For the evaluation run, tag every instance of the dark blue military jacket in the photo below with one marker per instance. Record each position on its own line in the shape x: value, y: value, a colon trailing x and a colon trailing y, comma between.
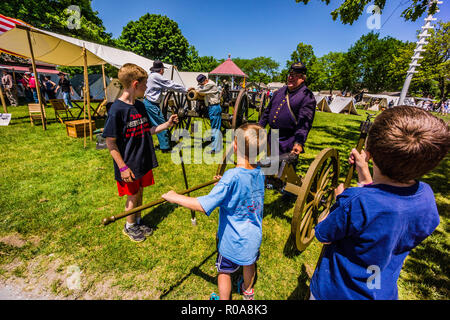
x: 278, y: 116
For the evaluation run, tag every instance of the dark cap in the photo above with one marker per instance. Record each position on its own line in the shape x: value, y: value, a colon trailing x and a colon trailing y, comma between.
x: 157, y: 66
x: 61, y: 74
x: 201, y: 78
x: 298, y: 67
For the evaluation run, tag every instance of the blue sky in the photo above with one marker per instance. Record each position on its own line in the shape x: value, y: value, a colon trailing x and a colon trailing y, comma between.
x: 251, y: 28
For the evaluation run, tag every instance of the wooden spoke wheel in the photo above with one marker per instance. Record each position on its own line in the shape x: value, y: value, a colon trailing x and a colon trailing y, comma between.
x: 262, y: 105
x: 315, y: 196
x: 240, y: 111
x: 176, y: 103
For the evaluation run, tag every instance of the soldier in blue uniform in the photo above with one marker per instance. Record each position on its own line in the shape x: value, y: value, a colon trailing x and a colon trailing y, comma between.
x: 291, y: 110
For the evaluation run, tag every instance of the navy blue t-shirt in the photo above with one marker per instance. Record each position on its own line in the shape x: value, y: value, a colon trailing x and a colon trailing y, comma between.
x: 130, y: 126
x: 371, y: 230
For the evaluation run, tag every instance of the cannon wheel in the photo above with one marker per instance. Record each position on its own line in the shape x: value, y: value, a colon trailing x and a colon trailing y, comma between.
x: 240, y: 111
x: 174, y: 102
x: 315, y: 197
x: 262, y: 105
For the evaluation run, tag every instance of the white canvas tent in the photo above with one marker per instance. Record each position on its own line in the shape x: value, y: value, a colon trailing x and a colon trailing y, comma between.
x: 63, y: 50
x: 384, y: 100
x: 322, y: 102
x: 343, y: 105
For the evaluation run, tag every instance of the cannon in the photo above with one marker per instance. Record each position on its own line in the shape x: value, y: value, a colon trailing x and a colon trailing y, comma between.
x: 238, y: 107
x: 314, y: 191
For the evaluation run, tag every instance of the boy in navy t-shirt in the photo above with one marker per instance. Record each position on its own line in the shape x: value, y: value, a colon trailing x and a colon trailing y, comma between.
x: 240, y: 196
x: 371, y: 229
x: 129, y: 139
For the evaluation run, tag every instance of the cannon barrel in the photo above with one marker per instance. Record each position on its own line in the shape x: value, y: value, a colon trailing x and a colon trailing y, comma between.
x: 193, y: 95
x: 123, y: 214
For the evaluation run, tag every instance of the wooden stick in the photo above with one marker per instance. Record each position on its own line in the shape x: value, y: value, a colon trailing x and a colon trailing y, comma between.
x: 36, y: 78
x: 104, y: 82
x: 124, y: 214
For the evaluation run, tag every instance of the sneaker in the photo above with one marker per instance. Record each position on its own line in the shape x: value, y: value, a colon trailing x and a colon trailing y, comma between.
x: 134, y: 233
x: 214, y: 296
x: 247, y: 295
x: 147, y: 231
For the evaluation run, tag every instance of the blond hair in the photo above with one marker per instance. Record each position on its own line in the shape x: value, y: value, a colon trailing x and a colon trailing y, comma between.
x: 251, y: 141
x: 131, y: 72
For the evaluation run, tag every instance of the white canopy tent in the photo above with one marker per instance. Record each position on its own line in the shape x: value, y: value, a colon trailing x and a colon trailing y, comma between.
x: 66, y: 51
x: 343, y: 105
x: 63, y: 50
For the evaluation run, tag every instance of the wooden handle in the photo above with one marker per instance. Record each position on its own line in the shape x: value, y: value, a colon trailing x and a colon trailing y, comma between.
x: 123, y: 214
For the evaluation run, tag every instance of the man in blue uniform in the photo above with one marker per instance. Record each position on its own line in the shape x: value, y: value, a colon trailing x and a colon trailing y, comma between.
x: 291, y: 110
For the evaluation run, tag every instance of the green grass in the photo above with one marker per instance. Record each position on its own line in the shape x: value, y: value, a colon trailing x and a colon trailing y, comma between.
x: 54, y: 194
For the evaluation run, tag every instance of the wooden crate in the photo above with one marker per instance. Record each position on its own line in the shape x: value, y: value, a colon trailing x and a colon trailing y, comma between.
x: 76, y: 128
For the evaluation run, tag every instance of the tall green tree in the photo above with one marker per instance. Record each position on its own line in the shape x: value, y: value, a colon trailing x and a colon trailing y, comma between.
x: 305, y: 54
x: 196, y: 63
x: 332, y: 72
x: 156, y: 37
x: 57, y: 16
x: 435, y: 65
x: 259, y: 69
x: 350, y: 10
x: 369, y: 59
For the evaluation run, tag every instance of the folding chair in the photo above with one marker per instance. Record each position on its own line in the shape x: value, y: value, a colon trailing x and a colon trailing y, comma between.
x: 34, y: 110
x: 59, y: 106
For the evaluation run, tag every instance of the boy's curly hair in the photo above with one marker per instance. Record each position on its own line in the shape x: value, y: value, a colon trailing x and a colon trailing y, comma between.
x: 407, y: 142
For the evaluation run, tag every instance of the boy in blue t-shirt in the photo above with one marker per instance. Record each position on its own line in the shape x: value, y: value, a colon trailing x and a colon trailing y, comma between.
x: 372, y: 228
x: 240, y: 196
x: 129, y: 139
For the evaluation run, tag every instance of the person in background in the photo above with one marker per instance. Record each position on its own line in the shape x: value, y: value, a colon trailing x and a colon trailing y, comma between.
x: 49, y: 88
x: 212, y: 102
x: 156, y: 85
x: 66, y: 89
x: 32, y: 85
x: 8, y: 86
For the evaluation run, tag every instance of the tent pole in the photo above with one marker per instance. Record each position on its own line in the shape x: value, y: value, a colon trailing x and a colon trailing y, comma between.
x: 36, y: 77
x: 84, y: 115
x: 104, y: 81
x: 3, y: 100
x: 87, y: 92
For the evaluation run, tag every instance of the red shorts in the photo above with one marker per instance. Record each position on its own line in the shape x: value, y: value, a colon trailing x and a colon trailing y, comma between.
x: 131, y: 188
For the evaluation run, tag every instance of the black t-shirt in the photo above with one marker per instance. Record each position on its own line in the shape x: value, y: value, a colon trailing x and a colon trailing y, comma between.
x: 129, y: 124
x: 64, y: 84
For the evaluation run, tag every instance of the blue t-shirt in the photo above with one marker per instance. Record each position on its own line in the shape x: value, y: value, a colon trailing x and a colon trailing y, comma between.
x: 372, y: 230
x: 240, y: 196
x: 130, y: 126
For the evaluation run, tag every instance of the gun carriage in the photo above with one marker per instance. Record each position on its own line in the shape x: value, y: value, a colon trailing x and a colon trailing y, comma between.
x: 314, y: 191
x: 238, y: 107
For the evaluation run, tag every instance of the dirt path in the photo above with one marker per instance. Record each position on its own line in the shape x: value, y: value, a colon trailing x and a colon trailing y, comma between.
x: 11, y: 292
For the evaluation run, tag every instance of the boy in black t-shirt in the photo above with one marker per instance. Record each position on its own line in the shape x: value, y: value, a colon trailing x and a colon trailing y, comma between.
x: 129, y: 140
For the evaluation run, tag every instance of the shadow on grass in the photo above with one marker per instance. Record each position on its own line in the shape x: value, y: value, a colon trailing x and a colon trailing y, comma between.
x: 157, y: 214
x: 278, y: 207
x: 196, y: 271
x: 438, y: 178
x: 301, y: 292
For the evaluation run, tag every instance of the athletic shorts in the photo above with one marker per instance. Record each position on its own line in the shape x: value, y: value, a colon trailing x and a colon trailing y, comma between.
x: 224, y: 265
x: 131, y: 188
